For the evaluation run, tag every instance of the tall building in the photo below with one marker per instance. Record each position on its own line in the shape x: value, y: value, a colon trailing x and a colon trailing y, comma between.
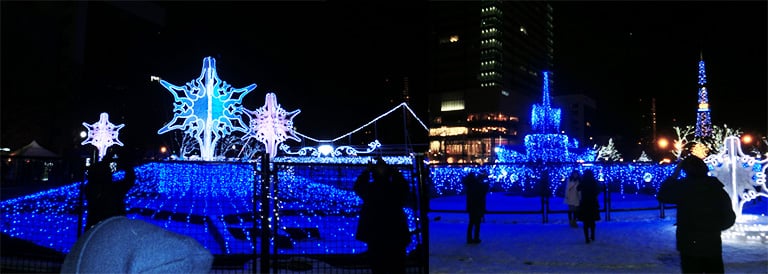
x: 487, y: 60
x: 578, y: 116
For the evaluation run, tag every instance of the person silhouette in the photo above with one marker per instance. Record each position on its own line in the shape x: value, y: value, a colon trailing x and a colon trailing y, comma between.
x: 589, y: 207
x: 383, y: 225
x: 476, y: 191
x: 703, y: 211
x: 572, y: 196
x: 104, y: 195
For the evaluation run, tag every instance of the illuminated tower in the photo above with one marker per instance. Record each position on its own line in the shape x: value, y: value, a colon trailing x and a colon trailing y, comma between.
x: 703, y: 122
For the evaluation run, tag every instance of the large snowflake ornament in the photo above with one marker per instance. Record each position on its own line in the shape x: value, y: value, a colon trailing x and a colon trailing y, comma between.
x: 206, y: 108
x: 745, y: 173
x: 102, y: 134
x: 271, y: 124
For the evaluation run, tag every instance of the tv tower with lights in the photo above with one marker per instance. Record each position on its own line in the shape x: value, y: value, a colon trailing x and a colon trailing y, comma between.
x: 703, y: 121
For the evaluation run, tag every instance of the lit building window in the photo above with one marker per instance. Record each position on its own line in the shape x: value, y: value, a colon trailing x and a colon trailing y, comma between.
x: 448, y: 131
x: 451, y: 105
x: 454, y: 38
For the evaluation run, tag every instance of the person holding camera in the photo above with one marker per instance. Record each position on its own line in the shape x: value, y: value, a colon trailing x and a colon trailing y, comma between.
x: 105, y: 196
x: 703, y: 210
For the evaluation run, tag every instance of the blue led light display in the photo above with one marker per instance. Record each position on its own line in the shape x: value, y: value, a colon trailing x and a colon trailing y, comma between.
x: 544, y: 118
x: 213, y: 203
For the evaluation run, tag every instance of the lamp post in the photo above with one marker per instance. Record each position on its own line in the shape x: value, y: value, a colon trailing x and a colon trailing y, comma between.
x: 662, y: 145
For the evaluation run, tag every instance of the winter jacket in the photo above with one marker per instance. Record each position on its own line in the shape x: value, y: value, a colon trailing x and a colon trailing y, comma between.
x: 703, y: 210
x: 382, y: 219
x: 476, y: 191
x: 572, y: 192
x: 122, y: 245
x: 589, y: 207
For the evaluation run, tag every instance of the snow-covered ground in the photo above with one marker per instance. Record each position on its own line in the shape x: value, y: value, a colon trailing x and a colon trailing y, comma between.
x: 631, y: 242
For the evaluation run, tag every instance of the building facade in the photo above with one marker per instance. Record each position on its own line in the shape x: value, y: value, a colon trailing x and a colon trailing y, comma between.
x: 487, y: 60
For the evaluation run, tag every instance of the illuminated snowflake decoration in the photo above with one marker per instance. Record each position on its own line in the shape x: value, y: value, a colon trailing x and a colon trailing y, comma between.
x: 102, y: 134
x: 206, y: 108
x: 271, y: 124
x: 745, y: 174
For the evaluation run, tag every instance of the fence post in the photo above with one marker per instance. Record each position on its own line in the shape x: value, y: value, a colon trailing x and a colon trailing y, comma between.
x: 81, y: 208
x: 544, y: 208
x: 423, y: 190
x: 266, y: 234
x: 607, y: 202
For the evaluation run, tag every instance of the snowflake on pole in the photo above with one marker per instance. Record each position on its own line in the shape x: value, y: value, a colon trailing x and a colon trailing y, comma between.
x: 271, y: 124
x: 102, y: 134
x: 206, y: 108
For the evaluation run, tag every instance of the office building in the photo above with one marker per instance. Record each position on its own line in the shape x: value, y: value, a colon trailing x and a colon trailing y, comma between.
x: 487, y: 60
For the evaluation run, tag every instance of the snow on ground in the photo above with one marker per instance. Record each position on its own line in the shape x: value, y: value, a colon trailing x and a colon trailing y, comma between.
x: 631, y: 242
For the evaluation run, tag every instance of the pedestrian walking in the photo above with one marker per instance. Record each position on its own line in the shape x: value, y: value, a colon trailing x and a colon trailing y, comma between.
x: 589, y: 207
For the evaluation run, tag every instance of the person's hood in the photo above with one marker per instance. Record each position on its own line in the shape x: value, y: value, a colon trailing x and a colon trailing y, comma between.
x: 122, y: 245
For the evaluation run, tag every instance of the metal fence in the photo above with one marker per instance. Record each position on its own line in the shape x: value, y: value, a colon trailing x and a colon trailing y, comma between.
x: 254, y: 217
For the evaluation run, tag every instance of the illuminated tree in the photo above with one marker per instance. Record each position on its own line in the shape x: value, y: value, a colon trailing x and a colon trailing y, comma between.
x: 608, y: 152
x: 713, y: 142
x: 643, y: 157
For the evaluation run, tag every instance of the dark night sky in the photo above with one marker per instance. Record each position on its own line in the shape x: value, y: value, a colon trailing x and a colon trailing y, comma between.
x: 619, y: 51
x: 331, y: 60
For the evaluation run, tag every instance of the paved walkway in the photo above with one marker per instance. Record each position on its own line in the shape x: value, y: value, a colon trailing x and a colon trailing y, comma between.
x: 632, y: 242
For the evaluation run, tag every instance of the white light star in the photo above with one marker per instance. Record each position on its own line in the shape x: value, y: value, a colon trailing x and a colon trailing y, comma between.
x: 271, y: 124
x: 102, y: 134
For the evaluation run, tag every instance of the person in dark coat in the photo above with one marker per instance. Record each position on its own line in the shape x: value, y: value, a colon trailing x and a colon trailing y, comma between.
x: 703, y: 210
x: 476, y: 190
x: 383, y: 225
x: 589, y: 208
x: 105, y: 196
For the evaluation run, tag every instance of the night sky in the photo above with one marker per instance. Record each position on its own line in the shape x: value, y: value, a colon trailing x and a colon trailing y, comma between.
x: 333, y: 62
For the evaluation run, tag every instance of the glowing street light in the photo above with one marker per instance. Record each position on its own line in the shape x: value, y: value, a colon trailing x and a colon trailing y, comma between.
x: 746, y: 139
x: 663, y: 143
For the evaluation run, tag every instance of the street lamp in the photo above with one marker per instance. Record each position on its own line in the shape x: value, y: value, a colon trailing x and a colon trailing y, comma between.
x: 663, y: 143
x: 746, y: 139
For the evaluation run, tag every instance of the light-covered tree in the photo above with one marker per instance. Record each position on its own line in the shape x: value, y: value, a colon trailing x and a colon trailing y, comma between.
x: 712, y: 143
x: 608, y: 153
x: 643, y: 157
